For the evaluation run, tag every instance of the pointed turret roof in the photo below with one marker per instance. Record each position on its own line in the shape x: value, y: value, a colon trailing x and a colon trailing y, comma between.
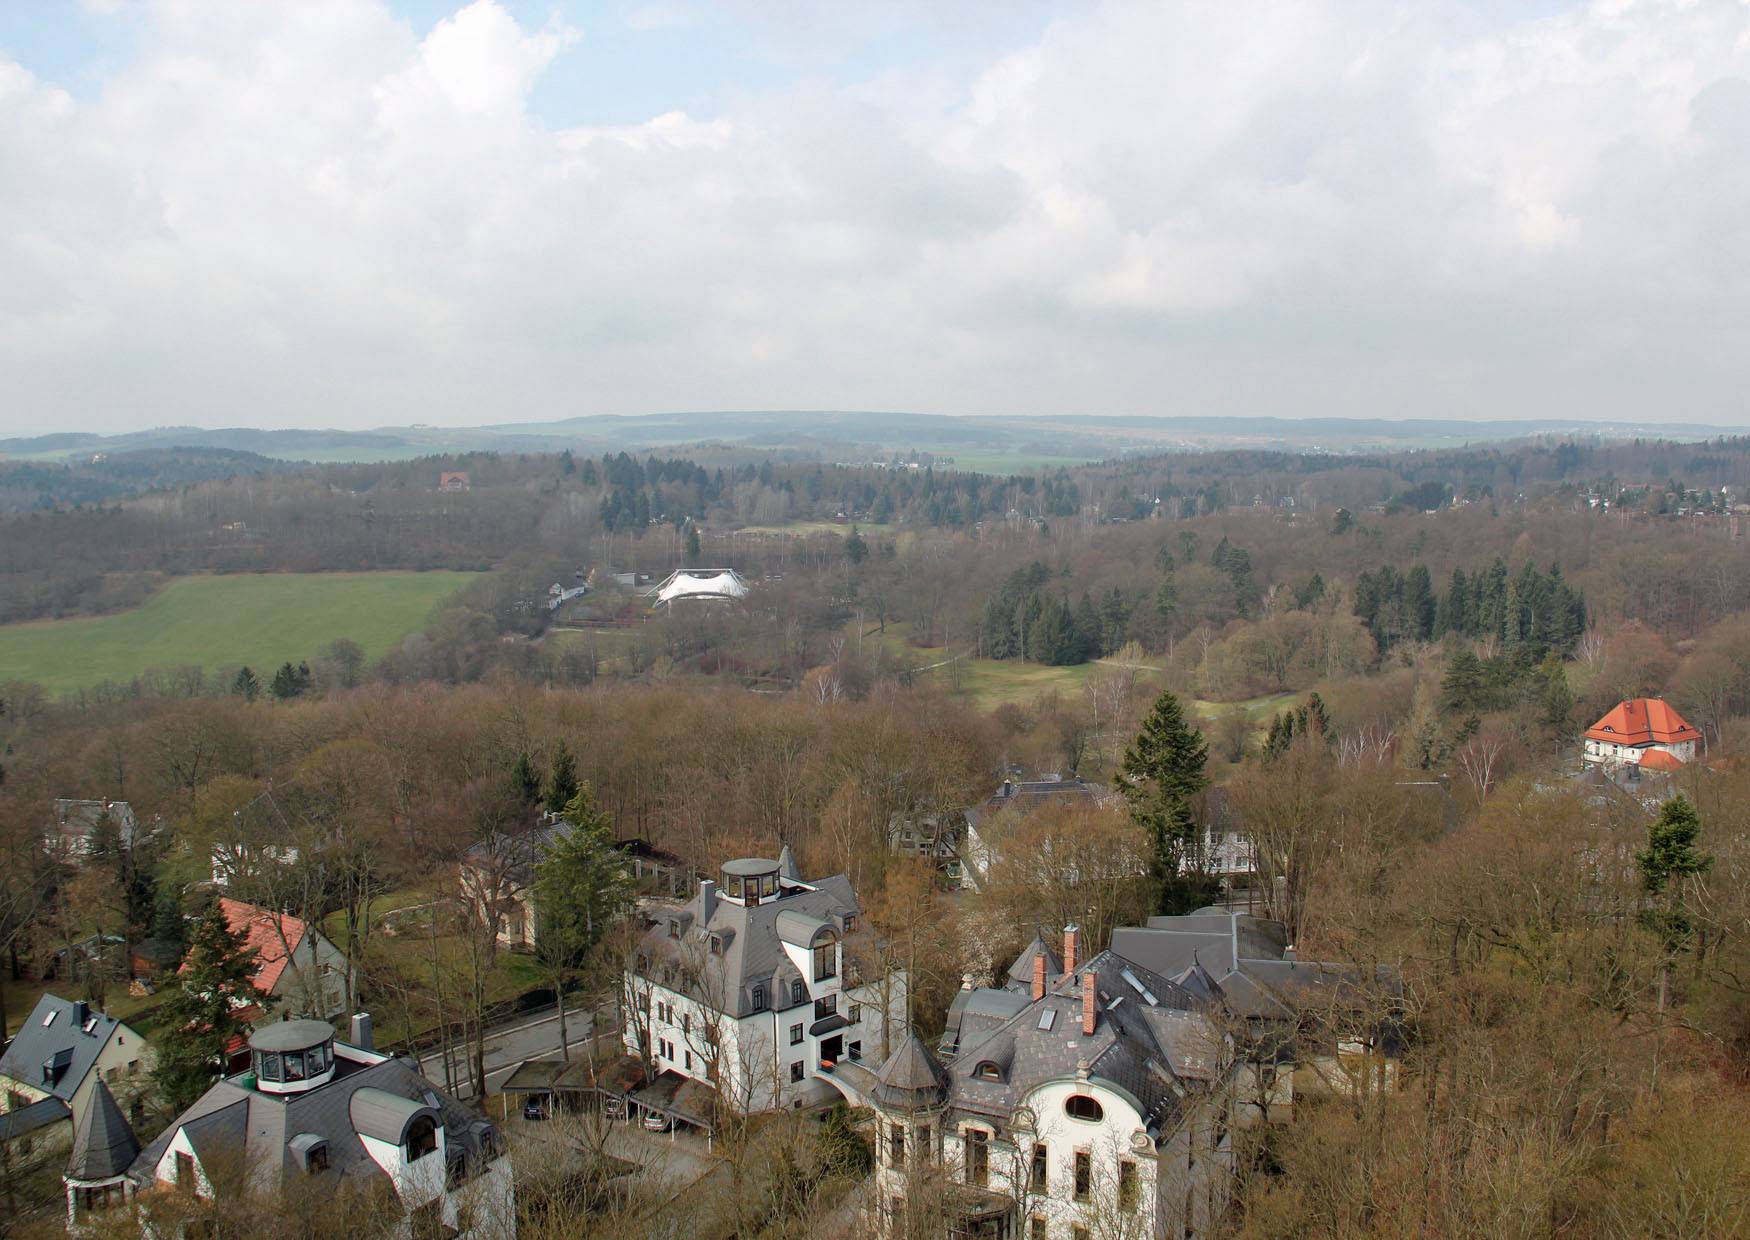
x: 1021, y: 972
x: 104, y: 1143
x: 911, y: 1077
x: 787, y: 867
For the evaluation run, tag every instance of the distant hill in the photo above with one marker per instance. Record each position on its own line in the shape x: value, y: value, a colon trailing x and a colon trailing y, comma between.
x: 87, y: 476
x: 997, y: 444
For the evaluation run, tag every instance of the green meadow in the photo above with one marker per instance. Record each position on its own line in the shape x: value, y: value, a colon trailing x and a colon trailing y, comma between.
x: 262, y: 619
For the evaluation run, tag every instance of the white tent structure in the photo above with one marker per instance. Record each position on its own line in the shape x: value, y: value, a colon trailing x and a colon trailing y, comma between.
x: 701, y: 584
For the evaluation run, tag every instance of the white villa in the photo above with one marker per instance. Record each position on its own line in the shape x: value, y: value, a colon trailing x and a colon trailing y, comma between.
x: 747, y: 989
x: 1645, y: 733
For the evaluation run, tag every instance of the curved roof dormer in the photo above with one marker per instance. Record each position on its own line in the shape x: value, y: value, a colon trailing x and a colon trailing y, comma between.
x: 801, y: 930
x: 386, y: 1116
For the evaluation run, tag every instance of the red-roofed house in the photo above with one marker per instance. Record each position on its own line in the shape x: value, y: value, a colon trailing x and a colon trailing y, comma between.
x: 298, y: 972
x: 1643, y: 732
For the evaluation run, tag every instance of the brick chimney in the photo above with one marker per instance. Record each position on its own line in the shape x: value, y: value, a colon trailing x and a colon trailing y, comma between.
x: 1090, y: 1007
x: 1039, y: 975
x: 1070, y: 960
x: 707, y: 900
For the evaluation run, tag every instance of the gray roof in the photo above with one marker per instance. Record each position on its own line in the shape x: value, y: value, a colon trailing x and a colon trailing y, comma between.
x: 386, y: 1116
x: 291, y: 1035
x: 1022, y: 797
x: 1244, y: 963
x: 1148, y: 1040
x: 27, y: 1119
x: 752, y: 943
x: 233, y: 1121
x: 62, y: 1042
x: 911, y: 1077
x: 1021, y: 972
x: 104, y: 1144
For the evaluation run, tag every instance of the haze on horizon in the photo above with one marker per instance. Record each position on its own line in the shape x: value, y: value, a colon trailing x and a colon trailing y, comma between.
x: 359, y: 213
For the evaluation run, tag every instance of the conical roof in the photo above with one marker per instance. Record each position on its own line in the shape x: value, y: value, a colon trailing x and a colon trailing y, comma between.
x: 104, y: 1145
x: 1021, y: 972
x: 787, y: 864
x: 911, y: 1077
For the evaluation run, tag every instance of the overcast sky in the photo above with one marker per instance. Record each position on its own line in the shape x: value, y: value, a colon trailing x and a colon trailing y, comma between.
x: 359, y: 213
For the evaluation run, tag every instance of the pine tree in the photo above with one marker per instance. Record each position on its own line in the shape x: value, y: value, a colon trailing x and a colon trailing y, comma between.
x: 856, y: 550
x: 581, y: 886
x: 1342, y: 523
x: 525, y: 779
x: 561, y: 780
x: 199, y: 1019
x: 247, y: 686
x: 1669, y: 858
x: 1163, y: 770
x: 167, y: 922
x: 1462, y: 688
x: 694, y: 551
x: 285, y: 683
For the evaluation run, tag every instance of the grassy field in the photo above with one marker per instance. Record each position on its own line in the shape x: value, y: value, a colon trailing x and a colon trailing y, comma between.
x: 803, y: 528
x: 262, y: 619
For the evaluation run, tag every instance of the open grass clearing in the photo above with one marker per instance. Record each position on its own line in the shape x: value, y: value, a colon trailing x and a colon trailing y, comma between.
x: 258, y: 619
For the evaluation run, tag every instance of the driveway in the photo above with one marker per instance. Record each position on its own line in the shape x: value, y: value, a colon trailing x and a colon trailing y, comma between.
x: 532, y: 1036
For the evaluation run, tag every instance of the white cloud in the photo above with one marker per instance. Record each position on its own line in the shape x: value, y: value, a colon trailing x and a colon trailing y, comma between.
x: 314, y: 214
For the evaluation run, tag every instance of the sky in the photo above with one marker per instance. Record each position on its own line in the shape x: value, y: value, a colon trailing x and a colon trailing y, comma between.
x: 358, y: 213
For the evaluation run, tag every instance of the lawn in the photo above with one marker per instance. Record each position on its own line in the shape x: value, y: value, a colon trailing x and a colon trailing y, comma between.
x: 261, y: 619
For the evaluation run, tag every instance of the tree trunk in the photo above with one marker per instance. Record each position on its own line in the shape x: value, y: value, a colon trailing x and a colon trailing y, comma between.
x: 564, y: 1040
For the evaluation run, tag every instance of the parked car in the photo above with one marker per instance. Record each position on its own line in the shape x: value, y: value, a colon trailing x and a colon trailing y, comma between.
x: 655, y: 1121
x: 534, y: 1108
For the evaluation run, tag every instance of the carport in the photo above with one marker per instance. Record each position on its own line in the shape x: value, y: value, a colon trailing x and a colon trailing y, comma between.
x: 682, y: 1100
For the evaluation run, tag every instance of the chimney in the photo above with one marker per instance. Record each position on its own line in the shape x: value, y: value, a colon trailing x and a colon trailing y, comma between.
x: 1070, y: 960
x: 707, y: 900
x: 362, y: 1037
x: 1039, y: 974
x: 81, y: 1013
x: 966, y: 981
x: 1090, y: 1008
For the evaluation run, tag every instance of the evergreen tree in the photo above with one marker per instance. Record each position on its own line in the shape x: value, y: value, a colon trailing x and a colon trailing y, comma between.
x: 1462, y: 688
x: 525, y: 779
x: 199, y: 1019
x: 1343, y: 522
x: 247, y: 686
x: 581, y: 886
x: 856, y: 550
x: 1669, y: 859
x: 562, y: 783
x: 1163, y: 770
x: 1419, y: 605
x: 167, y: 922
x: 694, y: 551
x: 285, y: 683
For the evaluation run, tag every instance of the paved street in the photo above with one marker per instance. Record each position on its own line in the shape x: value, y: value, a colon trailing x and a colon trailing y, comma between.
x: 533, y: 1035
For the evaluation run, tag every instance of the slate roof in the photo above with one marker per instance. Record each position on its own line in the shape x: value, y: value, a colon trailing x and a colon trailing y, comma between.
x: 1021, y: 972
x: 911, y: 1077
x: 1148, y: 1040
x: 521, y: 851
x: 104, y: 1145
x: 232, y: 1120
x: 1023, y: 797
x: 1245, y: 960
x: 28, y: 1119
x: 753, y: 952
x: 63, y: 1042
x: 1642, y: 721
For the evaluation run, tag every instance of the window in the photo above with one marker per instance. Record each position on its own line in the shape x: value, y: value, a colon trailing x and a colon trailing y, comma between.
x: 798, y: 992
x: 855, y: 1014
x: 1077, y: 1232
x: 1036, y: 1228
x: 854, y: 1051
x: 826, y: 960
x: 796, y: 1073
x: 421, y: 1138
x: 1126, y: 1185
x: 716, y: 945
x: 795, y: 1035
x: 1084, y: 1174
x: 686, y: 1022
x: 1082, y: 1107
x: 896, y: 1146
x: 317, y: 1158
x: 759, y: 998
x: 689, y: 1061
x: 921, y: 1147
x: 674, y: 929
x: 826, y: 1005
x: 988, y: 1071
x: 977, y: 1156
x: 185, y: 1179
x: 294, y: 1065
x: 1036, y: 1183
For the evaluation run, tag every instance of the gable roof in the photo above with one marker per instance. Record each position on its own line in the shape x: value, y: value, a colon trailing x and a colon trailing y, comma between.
x: 104, y: 1144
x: 1643, y: 721
x: 257, y: 926
x: 54, y: 1035
x: 1661, y: 760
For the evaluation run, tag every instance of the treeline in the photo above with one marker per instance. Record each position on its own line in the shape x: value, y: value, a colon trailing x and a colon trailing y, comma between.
x: 1026, y: 620
x: 1531, y: 613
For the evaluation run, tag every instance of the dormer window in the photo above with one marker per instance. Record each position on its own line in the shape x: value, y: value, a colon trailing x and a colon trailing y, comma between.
x: 988, y: 1071
x: 311, y: 1152
x: 421, y: 1138
x: 826, y: 961
x: 1084, y: 1108
x: 798, y: 992
x: 759, y: 999
x: 716, y: 944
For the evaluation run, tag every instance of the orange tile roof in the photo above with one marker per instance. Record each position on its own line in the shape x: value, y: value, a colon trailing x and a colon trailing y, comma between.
x: 1661, y: 760
x: 256, y: 925
x: 1643, y: 721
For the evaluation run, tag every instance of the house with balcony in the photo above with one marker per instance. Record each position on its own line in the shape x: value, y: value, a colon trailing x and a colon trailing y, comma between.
x: 747, y: 990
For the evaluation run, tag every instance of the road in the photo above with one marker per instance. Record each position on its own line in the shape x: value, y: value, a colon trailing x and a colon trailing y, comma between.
x: 532, y: 1036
